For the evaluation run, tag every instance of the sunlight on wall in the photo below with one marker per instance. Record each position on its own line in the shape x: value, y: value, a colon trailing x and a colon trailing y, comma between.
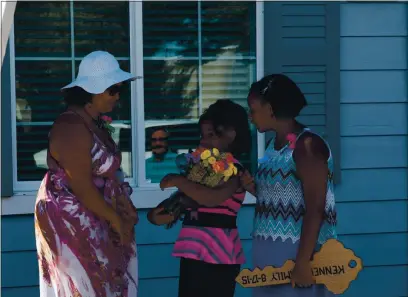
x: 7, y: 13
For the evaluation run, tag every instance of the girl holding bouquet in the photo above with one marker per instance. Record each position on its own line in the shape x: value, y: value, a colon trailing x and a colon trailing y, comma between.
x: 208, y: 244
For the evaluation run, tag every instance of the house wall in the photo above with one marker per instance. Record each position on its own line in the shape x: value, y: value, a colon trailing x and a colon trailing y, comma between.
x: 372, y: 196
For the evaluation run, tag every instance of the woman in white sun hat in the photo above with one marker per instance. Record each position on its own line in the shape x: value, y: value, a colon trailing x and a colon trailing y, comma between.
x: 84, y: 218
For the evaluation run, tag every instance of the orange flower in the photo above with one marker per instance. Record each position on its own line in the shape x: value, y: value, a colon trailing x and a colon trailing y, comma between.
x: 218, y: 166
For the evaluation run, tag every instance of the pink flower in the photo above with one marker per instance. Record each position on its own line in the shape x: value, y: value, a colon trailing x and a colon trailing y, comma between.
x: 292, y: 140
x: 106, y: 119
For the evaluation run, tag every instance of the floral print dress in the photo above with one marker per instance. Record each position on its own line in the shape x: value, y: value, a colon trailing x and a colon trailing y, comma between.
x: 79, y: 255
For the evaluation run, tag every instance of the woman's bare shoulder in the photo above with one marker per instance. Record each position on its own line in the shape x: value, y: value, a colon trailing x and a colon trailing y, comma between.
x: 69, y: 128
x: 310, y: 145
x: 65, y: 119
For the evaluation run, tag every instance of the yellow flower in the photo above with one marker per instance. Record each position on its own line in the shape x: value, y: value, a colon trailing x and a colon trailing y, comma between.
x: 229, y: 172
x: 216, y: 152
x: 211, y: 160
x: 205, y: 163
x: 232, y: 167
x: 205, y: 155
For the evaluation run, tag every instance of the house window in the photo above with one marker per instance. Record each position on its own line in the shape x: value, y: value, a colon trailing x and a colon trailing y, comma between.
x: 189, y: 53
x: 194, y: 53
x: 50, y: 39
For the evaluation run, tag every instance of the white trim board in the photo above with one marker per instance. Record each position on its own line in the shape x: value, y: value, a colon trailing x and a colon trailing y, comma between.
x: 7, y: 17
x: 144, y: 195
x: 137, y: 95
x: 24, y: 203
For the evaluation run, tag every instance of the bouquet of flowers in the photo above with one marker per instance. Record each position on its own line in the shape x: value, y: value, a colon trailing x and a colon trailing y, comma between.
x: 208, y: 167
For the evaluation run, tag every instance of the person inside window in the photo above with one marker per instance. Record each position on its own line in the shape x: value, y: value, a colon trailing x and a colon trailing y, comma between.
x: 163, y: 160
x: 84, y: 218
x: 295, y: 208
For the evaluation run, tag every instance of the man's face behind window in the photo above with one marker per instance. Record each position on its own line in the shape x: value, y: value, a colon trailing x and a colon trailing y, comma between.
x: 159, y: 141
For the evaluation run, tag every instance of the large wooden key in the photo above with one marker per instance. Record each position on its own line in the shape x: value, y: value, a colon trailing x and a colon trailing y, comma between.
x: 333, y: 266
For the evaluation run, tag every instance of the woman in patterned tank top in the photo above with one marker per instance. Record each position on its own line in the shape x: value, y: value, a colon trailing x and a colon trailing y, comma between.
x: 295, y: 211
x: 208, y: 244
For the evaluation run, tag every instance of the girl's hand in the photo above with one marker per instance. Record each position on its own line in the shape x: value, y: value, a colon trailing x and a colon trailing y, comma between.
x: 160, y: 219
x: 247, y: 182
x: 302, y: 275
x: 169, y: 181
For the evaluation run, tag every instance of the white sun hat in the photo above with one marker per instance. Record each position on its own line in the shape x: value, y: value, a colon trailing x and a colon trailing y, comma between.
x: 98, y: 71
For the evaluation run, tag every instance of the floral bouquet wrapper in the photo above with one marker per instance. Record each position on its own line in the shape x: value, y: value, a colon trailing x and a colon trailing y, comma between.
x: 208, y: 167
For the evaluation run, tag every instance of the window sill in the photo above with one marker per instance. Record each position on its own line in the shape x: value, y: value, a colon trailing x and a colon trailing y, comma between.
x: 147, y: 197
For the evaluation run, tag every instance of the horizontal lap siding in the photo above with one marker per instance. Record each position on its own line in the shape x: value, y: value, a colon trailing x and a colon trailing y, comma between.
x: 374, y: 147
x: 393, y: 279
x: 155, y: 245
x: 372, y: 196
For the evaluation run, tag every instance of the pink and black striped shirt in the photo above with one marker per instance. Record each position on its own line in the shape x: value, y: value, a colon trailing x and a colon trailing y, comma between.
x: 216, y: 245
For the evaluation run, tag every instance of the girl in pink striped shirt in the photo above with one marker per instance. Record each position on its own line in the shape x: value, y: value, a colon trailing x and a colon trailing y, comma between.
x: 208, y: 245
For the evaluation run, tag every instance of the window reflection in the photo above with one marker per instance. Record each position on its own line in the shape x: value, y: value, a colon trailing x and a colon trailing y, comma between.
x: 49, y: 39
x: 164, y: 141
x: 194, y: 54
x: 162, y: 159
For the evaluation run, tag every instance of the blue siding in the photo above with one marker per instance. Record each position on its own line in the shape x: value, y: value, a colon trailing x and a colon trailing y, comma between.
x: 374, y: 144
x: 372, y: 196
x: 155, y: 244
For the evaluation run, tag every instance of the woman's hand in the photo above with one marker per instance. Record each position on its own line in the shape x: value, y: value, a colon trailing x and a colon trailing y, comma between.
x: 119, y: 227
x: 169, y: 181
x: 127, y: 188
x: 130, y: 216
x: 247, y: 182
x: 127, y: 210
x: 302, y: 275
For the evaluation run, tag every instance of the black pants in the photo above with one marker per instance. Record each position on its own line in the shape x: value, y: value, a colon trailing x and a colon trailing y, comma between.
x: 201, y: 279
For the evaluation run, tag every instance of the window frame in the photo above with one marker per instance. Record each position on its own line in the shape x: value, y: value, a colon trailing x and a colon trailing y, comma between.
x: 145, y: 195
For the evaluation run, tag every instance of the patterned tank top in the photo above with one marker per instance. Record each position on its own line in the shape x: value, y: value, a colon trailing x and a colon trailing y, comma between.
x: 212, y: 244
x: 280, y: 204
